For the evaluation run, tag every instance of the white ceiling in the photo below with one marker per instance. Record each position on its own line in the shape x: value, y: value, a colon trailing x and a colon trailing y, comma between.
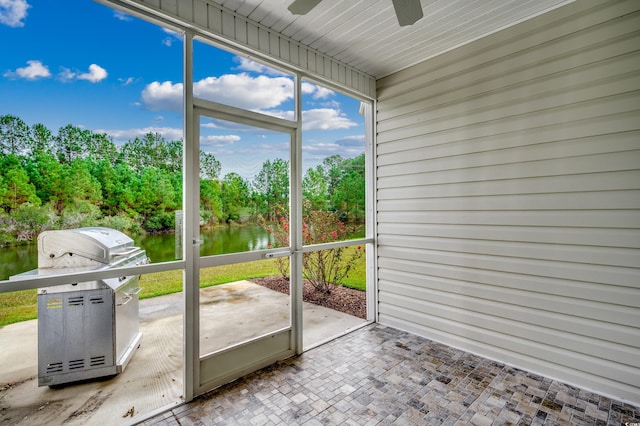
x: 365, y: 33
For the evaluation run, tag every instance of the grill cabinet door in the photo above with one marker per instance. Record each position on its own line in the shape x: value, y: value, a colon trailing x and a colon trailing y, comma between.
x: 75, y: 333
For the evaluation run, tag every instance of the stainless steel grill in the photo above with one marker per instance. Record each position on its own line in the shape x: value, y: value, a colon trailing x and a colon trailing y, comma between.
x: 89, y: 329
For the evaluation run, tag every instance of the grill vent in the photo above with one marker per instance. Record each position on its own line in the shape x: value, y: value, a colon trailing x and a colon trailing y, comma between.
x: 96, y: 300
x: 97, y: 360
x: 54, y: 367
x: 76, y: 364
x: 76, y: 301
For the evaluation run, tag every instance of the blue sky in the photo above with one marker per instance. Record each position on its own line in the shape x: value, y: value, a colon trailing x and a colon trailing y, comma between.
x: 79, y: 62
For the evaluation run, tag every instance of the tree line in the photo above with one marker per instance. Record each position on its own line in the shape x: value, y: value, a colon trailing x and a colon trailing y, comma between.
x: 80, y: 178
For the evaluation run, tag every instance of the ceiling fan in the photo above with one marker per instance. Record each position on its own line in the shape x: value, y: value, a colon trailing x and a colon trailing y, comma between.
x: 407, y: 11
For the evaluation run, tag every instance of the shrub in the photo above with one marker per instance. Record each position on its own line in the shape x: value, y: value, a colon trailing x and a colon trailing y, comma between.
x: 6, y: 239
x: 322, y: 268
x: 80, y: 213
x: 160, y: 221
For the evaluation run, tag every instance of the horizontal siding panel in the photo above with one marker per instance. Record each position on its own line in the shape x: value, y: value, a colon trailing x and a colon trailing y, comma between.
x: 593, y: 255
x: 612, y: 181
x: 508, y: 320
x: 627, y: 277
x: 595, y: 127
x: 532, y: 97
x: 541, y: 163
x: 478, y: 297
x: 589, y: 63
x: 501, y: 280
x: 627, y: 238
x: 559, y: 115
x: 502, y: 149
x: 566, y: 305
x: 436, y: 175
x: 577, y: 201
x: 523, y: 82
x: 617, y: 219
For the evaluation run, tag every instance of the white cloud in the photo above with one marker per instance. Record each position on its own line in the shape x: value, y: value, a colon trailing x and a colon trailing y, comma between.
x: 123, y: 135
x: 286, y: 115
x: 13, y: 12
x: 219, y: 140
x: 245, y: 91
x: 211, y: 125
x: 35, y: 69
x: 96, y: 73
x: 307, y: 88
x: 239, y: 90
x: 32, y: 71
x: 231, y: 127
x: 322, y: 92
x: 317, y: 92
x: 325, y: 119
x: 126, y: 81
x: 164, y: 96
x: 318, y: 118
x: 260, y: 93
x: 66, y: 74
x: 246, y: 64
x: 317, y: 150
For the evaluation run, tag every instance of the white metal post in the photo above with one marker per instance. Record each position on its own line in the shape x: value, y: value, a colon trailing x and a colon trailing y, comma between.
x: 191, y: 243
x: 295, y: 217
x: 370, y: 209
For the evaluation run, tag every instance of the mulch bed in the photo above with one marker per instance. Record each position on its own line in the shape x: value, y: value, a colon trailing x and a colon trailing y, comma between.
x: 342, y: 299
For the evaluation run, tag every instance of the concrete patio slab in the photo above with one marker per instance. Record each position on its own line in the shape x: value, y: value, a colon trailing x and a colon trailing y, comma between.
x: 230, y: 313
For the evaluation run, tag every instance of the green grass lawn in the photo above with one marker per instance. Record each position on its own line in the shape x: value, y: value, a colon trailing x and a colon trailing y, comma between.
x: 22, y: 305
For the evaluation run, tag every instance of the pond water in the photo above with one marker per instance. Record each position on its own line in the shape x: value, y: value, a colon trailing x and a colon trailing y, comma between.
x: 159, y: 248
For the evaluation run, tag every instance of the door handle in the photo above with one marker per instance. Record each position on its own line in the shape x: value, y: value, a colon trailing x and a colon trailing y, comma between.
x: 275, y: 254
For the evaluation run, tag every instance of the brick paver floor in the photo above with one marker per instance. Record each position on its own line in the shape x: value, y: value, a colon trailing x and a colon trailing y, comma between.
x: 380, y: 375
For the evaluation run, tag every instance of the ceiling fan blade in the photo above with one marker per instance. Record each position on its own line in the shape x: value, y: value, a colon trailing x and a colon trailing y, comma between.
x: 302, y: 7
x: 407, y: 11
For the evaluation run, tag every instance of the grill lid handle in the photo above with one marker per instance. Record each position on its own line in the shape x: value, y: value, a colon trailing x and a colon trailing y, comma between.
x: 125, y: 252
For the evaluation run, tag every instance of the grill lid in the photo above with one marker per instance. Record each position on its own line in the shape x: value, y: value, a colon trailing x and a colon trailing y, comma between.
x: 81, y: 247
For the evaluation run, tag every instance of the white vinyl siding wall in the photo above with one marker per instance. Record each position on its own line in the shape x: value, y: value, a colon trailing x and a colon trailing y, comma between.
x: 509, y: 196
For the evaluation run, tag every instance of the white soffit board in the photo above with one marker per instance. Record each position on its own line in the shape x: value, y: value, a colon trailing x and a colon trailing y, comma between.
x: 365, y: 35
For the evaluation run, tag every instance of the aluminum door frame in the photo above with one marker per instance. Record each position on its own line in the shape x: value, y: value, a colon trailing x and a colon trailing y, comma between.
x: 203, y: 373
